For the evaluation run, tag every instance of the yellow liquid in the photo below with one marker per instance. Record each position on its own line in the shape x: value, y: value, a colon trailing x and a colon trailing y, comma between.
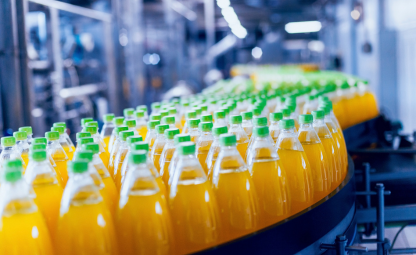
x: 111, y: 195
x: 156, y: 157
x: 202, y: 156
x: 164, y: 168
x: 318, y: 161
x: 195, y: 217
x: 242, y: 149
x: 48, y: 199
x: 23, y: 234
x: 371, y: 104
x: 142, y: 131
x: 144, y: 226
x: 105, y: 158
x: 117, y: 171
x: 86, y: 229
x: 271, y: 183
x: 299, y: 176
x: 334, y: 161
x: 237, y: 202
x: 25, y: 157
x: 69, y: 153
x: 106, y: 140
x: 341, y: 148
x: 340, y: 114
x: 61, y: 168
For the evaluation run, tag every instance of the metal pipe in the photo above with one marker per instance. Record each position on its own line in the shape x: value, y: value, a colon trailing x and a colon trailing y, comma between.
x: 403, y: 251
x: 340, y: 244
x: 380, y: 218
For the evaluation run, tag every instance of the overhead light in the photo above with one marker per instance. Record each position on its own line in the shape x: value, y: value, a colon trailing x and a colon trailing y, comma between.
x: 223, y: 3
x: 239, y: 31
x: 303, y: 27
x: 232, y: 19
x: 256, y: 52
x: 317, y: 46
x: 151, y: 59
x: 355, y: 14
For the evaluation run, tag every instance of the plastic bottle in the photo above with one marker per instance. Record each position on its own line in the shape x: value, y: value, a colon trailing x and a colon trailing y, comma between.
x: 128, y: 113
x: 85, y: 225
x: 23, y: 229
x: 158, y: 145
x: 274, y: 128
x: 151, y: 133
x: 29, y: 133
x: 174, y: 161
x: 309, y: 105
x: 42, y: 140
x: 318, y: 160
x: 259, y: 122
x: 42, y: 146
x: 247, y: 124
x: 219, y: 119
x: 144, y: 109
x: 79, y: 136
x: 141, y: 126
x: 269, y: 178
x: 84, y: 121
x: 170, y: 120
x: 43, y: 178
x: 130, y: 141
x: 58, y: 154
x: 155, y: 108
x: 22, y: 146
x: 238, y: 131
x: 64, y: 143
x: 120, y: 156
x: 191, y: 192
x: 131, y: 124
x: 189, y: 115
x: 113, y: 154
x: 183, y: 113
x: 234, y: 190
x: 206, y: 118
x: 148, y: 230
x: 204, y: 142
x: 66, y: 136
x: 193, y: 129
x: 167, y: 153
x: 93, y: 130
x: 156, y: 117
x: 118, y: 121
x: 215, y: 149
x: 107, y: 130
x: 330, y: 147
x: 296, y: 164
x: 178, y: 123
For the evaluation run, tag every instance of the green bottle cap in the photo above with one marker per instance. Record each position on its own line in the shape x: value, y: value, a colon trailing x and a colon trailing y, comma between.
x: 172, y: 111
x: 141, y: 108
x: 139, y: 146
x: 219, y: 115
x: 228, y: 140
x: 134, y: 139
x: 171, y: 132
x: 84, y: 155
x: 184, y: 103
x: 225, y: 110
x: 291, y: 107
x: 120, y: 129
x: 125, y: 134
x: 118, y: 121
x: 286, y: 124
x: 92, y: 124
x: 128, y: 112
x: 155, y: 117
x: 93, y: 147
x: 327, y: 104
x: 193, y: 123
x: 310, y: 98
x: 152, y: 124
x: 13, y: 170
x: 38, y: 155
x: 164, y: 114
x: 139, y: 113
x: 27, y: 129
x: 204, y: 107
x: 261, y: 131
x: 181, y: 138
x: 60, y: 124
x: 205, y: 126
x: 20, y: 135
x: 40, y: 140
x: 345, y: 85
x: 260, y: 121
x: 168, y: 120
x: 191, y: 115
x: 108, y: 117
x: 60, y: 130
x: 256, y: 111
x: 78, y: 166
x: 52, y: 135
x: 305, y: 118
x: 286, y: 112
x: 138, y: 157
x: 275, y: 116
x: 80, y: 135
x: 186, y: 148
x: 155, y: 105
x: 85, y: 121
x: 206, y: 118
x: 160, y: 129
x: 247, y: 115
x: 86, y: 140
x: 323, y: 98
x: 220, y: 130
x: 38, y: 146
x: 91, y: 129
x: 198, y: 111
x: 236, y: 119
x: 130, y: 123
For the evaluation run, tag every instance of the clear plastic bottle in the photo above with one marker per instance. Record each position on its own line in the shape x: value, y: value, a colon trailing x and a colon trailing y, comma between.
x: 174, y: 161
x: 259, y: 122
x: 58, y: 154
x: 85, y: 224
x: 22, y: 146
x: 155, y: 116
x: 226, y: 111
x: 23, y: 229
x: 29, y: 132
x: 118, y: 122
x: 84, y: 121
x: 121, y: 156
x: 295, y: 162
x: 83, y: 141
x: 148, y: 230
x: 144, y: 109
x: 42, y: 140
x: 141, y: 126
x: 155, y: 108
x: 274, y: 128
x: 131, y: 124
x: 334, y: 120
x: 68, y: 139
x: 158, y: 145
x: 64, y: 143
x: 206, y: 118
x: 193, y: 129
x: 219, y: 119
x: 107, y: 130
x: 79, y: 136
x: 215, y: 149
x: 170, y: 120
x: 93, y: 130
x: 238, y: 131
x: 318, y: 160
x: 178, y: 123
x: 234, y: 190
x: 191, y: 192
x: 113, y: 154
x: 247, y: 124
x: 128, y: 113
x: 130, y: 141
x: 189, y: 115
x: 269, y: 178
x: 204, y: 143
x: 287, y: 115
x: 167, y: 153
x: 151, y: 133
x: 309, y: 106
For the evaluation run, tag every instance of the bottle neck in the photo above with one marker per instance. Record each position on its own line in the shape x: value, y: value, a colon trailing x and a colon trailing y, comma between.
x: 318, y: 122
x: 305, y: 126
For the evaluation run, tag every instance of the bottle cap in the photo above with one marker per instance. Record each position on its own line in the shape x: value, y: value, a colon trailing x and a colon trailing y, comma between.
x: 206, y: 118
x: 60, y: 130
x: 38, y: 146
x: 275, y: 116
x: 228, y: 140
x: 139, y: 113
x: 345, y: 85
x: 225, y: 110
x: 118, y: 121
x: 171, y: 132
x: 236, y: 119
x: 140, y: 146
x: 310, y: 98
x: 85, y: 121
x: 286, y: 124
x: 20, y: 135
x: 219, y: 115
x: 286, y: 112
x: 220, y: 130
x: 164, y: 114
x: 124, y: 134
x: 52, y: 135
x: 28, y: 129
x: 156, y: 117
x: 325, y: 109
x: 120, y: 129
x: 155, y: 105
x: 191, y: 115
x: 256, y: 111
x: 205, y: 126
x: 39, y: 140
x: 247, y: 115
x: 204, y: 107
x: 141, y: 108
x: 38, y: 155
x: 86, y: 140
x: 93, y: 147
x: 130, y: 123
x: 108, y: 117
x: 152, y: 124
x: 138, y: 156
x: 172, y: 111
x: 168, y: 120
x: 84, y: 155
x: 128, y: 112
x: 92, y: 124
x: 80, y: 135
x: 134, y: 139
x: 160, y: 129
x: 327, y: 104
x: 261, y: 131
x: 260, y: 121
x: 305, y: 118
x: 78, y: 166
x: 13, y: 170
x: 59, y: 124
x: 193, y: 123
x: 186, y: 148
x: 91, y: 129
x: 181, y: 138
x: 198, y: 111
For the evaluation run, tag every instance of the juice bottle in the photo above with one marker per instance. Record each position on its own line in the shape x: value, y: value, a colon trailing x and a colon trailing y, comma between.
x: 198, y: 111
x: 155, y: 108
x: 83, y: 141
x: 29, y: 133
x: 93, y: 130
x: 247, y: 124
x: 269, y: 178
x: 193, y: 129
x: 144, y: 109
x: 42, y: 140
x: 234, y: 190
x: 174, y: 161
x: 317, y: 157
x: 189, y: 115
x: 141, y: 126
x: 369, y: 100
x: 192, y: 203
x: 219, y: 119
x: 206, y: 118
x: 23, y: 229
x: 204, y: 143
x: 238, y: 131
x: 274, y: 128
x: 151, y: 133
x: 158, y: 145
x: 296, y: 164
x: 118, y: 121
x: 113, y: 153
x: 79, y: 136
x: 167, y: 153
x: 131, y: 124
x: 259, y: 122
x: 62, y: 140
x: 130, y: 141
x: 68, y: 139
x: 42, y: 177
x: 41, y: 146
x: 106, y: 131
x: 85, y: 225
x: 309, y: 105
x: 22, y: 146
x: 148, y: 230
x: 257, y: 111
x: 84, y: 121
x: 178, y: 122
x: 287, y: 114
x: 215, y: 149
x: 58, y: 154
x: 169, y: 120
x: 121, y: 155
x: 128, y: 113
x: 155, y: 116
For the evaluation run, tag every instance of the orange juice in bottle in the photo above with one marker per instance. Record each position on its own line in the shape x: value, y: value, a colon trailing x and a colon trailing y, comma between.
x: 64, y: 143
x: 23, y: 229
x: 274, y: 128
x: 79, y: 136
x: 204, y: 143
x: 58, y: 154
x: 66, y: 136
x: 84, y: 121
x: 85, y: 224
x: 170, y: 120
x: 130, y: 141
x: 259, y: 121
x: 158, y: 145
x: 219, y: 119
x: 247, y: 123
x: 131, y: 124
x: 107, y: 130
x: 315, y: 152
x: 92, y: 128
x: 155, y: 108
x: 148, y: 230
x: 182, y: 113
x: 22, y: 146
x: 269, y: 178
x: 41, y: 146
x: 42, y: 177
x: 174, y: 161
x: 29, y: 132
x: 167, y: 153
x: 296, y: 164
x: 215, y: 149
x: 188, y: 115
x: 117, y: 121
x: 193, y: 129
x: 238, y: 131
x: 234, y: 190
x: 141, y: 126
x: 151, y: 133
x: 128, y: 114
x: 43, y: 141
x: 192, y: 203
x: 111, y: 163
x: 144, y: 109
x: 120, y: 157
